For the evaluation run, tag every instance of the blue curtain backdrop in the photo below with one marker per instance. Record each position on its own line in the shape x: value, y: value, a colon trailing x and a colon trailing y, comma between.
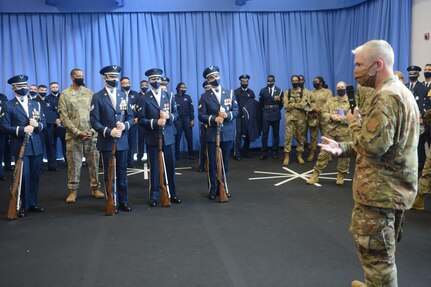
x: 318, y: 43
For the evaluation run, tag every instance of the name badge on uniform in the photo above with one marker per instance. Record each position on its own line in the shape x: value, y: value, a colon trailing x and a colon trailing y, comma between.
x: 123, y: 104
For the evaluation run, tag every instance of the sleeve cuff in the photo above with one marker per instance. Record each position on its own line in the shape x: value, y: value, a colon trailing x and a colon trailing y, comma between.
x: 128, y: 125
x: 17, y: 131
x: 209, y: 121
x: 151, y: 124
x: 104, y: 132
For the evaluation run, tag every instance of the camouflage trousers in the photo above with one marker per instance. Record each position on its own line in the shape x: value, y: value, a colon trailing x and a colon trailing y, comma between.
x: 314, y: 133
x: 375, y: 231
x: 294, y: 129
x: 324, y: 157
x: 75, y: 150
x: 425, y: 179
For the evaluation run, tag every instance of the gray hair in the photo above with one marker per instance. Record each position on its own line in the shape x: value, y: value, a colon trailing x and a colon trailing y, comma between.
x: 377, y: 50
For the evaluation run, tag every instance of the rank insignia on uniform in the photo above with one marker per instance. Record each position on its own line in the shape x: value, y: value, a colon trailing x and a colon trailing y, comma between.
x: 227, y: 102
x: 123, y: 104
x: 91, y: 108
x: 166, y: 107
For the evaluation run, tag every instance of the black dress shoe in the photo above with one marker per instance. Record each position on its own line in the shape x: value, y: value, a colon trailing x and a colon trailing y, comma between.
x: 263, y: 157
x: 192, y: 157
x: 36, y: 208
x: 2, y: 178
x: 125, y: 207
x: 176, y: 200
x: 228, y: 195
x: 22, y: 213
x: 211, y: 196
x: 153, y: 202
x: 235, y: 157
x: 201, y: 169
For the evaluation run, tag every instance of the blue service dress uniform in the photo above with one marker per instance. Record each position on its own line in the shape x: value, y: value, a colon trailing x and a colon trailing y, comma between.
x: 209, y: 108
x: 103, y: 118
x: 14, y: 120
x: 133, y: 101
x: 59, y: 131
x: 242, y: 96
x: 186, y: 114
x: 47, y: 134
x: 270, y: 117
x: 3, y: 137
x: 141, y: 129
x: 149, y: 114
x: 419, y: 92
x: 202, y: 142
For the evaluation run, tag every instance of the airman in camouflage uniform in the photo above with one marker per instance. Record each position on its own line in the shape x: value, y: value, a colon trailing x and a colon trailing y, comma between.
x: 385, y: 139
x: 334, y: 119
x: 295, y: 104
x: 74, y: 110
x: 319, y: 97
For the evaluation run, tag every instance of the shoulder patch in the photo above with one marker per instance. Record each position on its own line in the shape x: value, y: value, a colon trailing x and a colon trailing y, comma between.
x: 373, y: 124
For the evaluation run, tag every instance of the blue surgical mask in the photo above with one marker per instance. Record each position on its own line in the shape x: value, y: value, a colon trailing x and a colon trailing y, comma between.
x: 144, y: 89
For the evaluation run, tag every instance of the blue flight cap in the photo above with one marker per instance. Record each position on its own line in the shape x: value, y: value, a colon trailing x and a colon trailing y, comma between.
x: 156, y: 72
x: 19, y: 79
x: 210, y: 70
x: 110, y: 70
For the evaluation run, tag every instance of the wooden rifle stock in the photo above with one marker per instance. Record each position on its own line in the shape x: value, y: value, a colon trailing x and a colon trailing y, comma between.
x: 165, y: 197
x: 219, y: 161
x: 12, y: 212
x: 110, y: 208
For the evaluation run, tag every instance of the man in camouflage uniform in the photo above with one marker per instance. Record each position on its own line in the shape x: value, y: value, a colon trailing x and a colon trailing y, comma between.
x: 295, y: 104
x: 318, y: 98
x: 74, y: 110
x: 335, y: 122
x: 425, y: 179
x: 385, y: 181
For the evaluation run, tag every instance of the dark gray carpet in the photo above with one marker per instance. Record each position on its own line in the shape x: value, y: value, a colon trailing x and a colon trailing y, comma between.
x: 287, y: 235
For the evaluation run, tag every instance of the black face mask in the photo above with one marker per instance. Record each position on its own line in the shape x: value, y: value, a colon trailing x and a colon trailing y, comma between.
x: 183, y: 91
x: 43, y: 95
x: 301, y: 85
x: 126, y: 88
x: 79, y: 81
x: 316, y: 85
x: 112, y: 83
x: 296, y: 85
x: 22, y: 91
x: 427, y: 75
x: 341, y: 92
x: 270, y: 85
x: 144, y: 90
x: 413, y: 78
x: 244, y: 86
x: 215, y: 83
x: 33, y: 93
x: 155, y: 84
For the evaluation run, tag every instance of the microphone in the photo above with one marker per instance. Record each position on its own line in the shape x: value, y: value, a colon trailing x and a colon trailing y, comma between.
x: 351, y: 95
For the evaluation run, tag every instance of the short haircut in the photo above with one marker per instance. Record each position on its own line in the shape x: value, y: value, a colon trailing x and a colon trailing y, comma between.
x: 54, y: 83
x: 294, y: 76
x: 271, y: 76
x: 124, y: 78
x: 42, y: 86
x: 74, y: 71
x: 143, y: 81
x: 377, y: 50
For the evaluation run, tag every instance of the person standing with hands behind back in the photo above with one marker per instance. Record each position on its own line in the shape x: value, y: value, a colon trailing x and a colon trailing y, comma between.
x: 386, y: 174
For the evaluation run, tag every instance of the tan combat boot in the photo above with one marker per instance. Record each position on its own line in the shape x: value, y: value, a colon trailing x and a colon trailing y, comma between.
x: 300, y: 159
x: 314, y: 178
x: 340, y: 179
x: 286, y: 159
x: 71, y: 198
x: 419, y: 204
x: 97, y: 194
x: 310, y: 156
x: 358, y: 284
